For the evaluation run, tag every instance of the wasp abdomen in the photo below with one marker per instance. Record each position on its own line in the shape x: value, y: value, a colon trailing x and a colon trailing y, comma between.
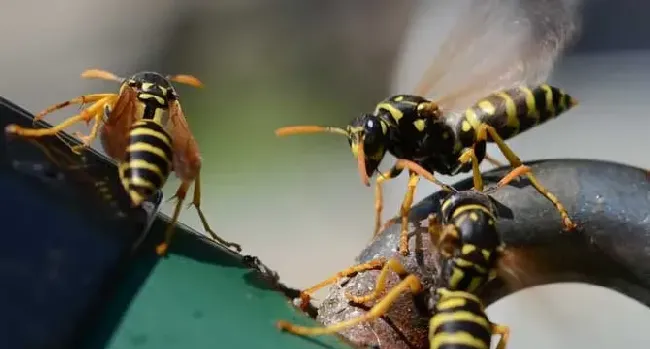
x: 459, y: 322
x: 514, y: 110
x: 148, y: 160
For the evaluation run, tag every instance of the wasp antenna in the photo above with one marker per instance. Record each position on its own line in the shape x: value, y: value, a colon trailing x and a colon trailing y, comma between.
x: 295, y: 130
x: 186, y: 79
x: 100, y: 74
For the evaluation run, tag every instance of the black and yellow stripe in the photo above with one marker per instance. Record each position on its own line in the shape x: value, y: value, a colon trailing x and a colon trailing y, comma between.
x: 148, y: 162
x: 459, y: 322
x: 513, y: 111
x: 473, y: 224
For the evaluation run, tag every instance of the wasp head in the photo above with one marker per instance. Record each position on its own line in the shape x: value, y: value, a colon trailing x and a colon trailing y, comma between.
x: 368, y: 137
x: 152, y: 89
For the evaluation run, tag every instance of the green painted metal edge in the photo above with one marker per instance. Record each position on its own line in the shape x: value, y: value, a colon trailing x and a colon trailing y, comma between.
x: 199, y: 296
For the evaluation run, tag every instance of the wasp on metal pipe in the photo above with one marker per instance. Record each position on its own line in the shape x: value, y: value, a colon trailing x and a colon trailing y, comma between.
x: 487, y: 85
x: 466, y: 235
x: 143, y: 129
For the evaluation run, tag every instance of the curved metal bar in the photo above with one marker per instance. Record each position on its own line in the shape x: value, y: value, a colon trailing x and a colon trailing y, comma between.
x: 610, y: 201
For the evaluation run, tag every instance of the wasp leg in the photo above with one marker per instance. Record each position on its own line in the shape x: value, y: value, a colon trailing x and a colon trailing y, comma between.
x: 161, y: 249
x: 516, y: 162
x: 504, y: 332
x: 87, y: 140
x: 196, y: 201
x: 392, y: 265
x: 404, y: 212
x: 77, y: 100
x: 415, y: 171
x: 448, y: 240
x: 379, y: 198
x: 469, y: 155
x: 86, y: 115
x: 305, y: 295
x: 411, y: 283
x: 494, y: 161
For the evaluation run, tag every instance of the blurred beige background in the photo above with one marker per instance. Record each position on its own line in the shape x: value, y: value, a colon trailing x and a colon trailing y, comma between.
x: 297, y: 202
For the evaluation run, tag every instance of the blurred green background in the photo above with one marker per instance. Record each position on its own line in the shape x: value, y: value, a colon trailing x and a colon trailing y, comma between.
x: 297, y: 202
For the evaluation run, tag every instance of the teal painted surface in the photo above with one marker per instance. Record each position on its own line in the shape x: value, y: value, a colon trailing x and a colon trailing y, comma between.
x: 200, y: 296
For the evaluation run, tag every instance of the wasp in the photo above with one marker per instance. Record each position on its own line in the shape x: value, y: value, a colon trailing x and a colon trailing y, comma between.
x: 485, y: 85
x: 144, y: 129
x: 467, y: 236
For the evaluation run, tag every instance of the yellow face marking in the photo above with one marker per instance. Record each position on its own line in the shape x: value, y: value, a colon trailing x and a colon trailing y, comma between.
x: 384, y: 127
x: 443, y: 318
x: 458, y: 338
x: 548, y: 92
x: 394, y: 112
x: 158, y: 99
x: 419, y: 124
x: 511, y: 110
x: 163, y: 90
x: 146, y: 86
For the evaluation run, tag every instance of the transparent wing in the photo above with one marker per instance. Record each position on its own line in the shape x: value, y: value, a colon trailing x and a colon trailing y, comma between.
x: 115, y: 131
x: 479, y: 46
x: 187, y: 159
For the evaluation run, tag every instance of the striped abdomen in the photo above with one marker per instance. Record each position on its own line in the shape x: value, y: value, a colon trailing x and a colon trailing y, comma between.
x: 513, y: 111
x: 459, y: 322
x: 148, y: 160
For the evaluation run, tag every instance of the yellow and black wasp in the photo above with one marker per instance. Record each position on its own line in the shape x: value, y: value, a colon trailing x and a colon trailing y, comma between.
x: 143, y: 129
x: 466, y: 234
x: 486, y: 84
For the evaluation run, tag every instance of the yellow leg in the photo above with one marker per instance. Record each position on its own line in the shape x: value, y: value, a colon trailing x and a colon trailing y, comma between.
x: 77, y: 100
x: 516, y: 162
x: 392, y: 265
x: 161, y: 249
x: 493, y: 161
x: 404, y: 213
x: 86, y: 115
x: 86, y: 141
x: 504, y: 332
x: 197, y: 205
x: 379, y: 197
x: 444, y: 237
x: 305, y: 295
x: 470, y: 156
x: 415, y: 170
x: 410, y: 283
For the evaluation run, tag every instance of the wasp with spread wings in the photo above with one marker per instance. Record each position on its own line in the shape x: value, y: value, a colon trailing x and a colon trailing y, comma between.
x: 144, y: 130
x: 486, y: 84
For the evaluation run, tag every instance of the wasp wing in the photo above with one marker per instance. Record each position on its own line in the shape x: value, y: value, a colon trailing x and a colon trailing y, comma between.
x: 480, y: 46
x: 187, y: 159
x: 115, y: 129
